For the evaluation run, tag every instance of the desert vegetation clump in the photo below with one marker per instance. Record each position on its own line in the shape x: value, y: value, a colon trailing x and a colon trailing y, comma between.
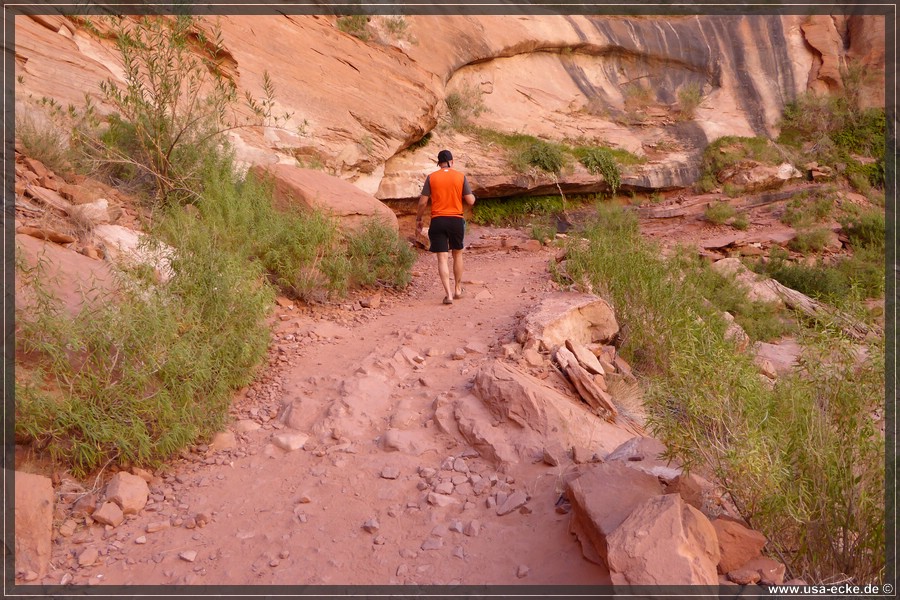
x: 463, y: 105
x: 801, y: 458
x: 601, y: 161
x: 837, y: 131
x: 355, y: 25
x: 689, y: 98
x: 728, y: 151
x: 141, y: 373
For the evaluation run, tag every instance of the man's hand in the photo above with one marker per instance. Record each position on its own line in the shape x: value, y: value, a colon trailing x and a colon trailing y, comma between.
x: 423, y: 231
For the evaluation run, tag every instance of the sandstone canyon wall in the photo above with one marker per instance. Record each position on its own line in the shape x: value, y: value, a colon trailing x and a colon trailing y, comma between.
x: 558, y: 77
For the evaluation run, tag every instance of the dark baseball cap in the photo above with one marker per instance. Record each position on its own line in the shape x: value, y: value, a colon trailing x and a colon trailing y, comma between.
x: 444, y: 156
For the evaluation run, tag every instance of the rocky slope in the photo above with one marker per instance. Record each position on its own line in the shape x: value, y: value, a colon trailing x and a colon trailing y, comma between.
x: 600, y: 79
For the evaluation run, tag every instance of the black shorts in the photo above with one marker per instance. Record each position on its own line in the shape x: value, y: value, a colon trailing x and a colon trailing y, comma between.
x: 446, y: 233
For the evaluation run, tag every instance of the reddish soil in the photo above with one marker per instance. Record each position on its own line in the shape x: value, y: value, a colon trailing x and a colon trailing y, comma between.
x: 297, y: 517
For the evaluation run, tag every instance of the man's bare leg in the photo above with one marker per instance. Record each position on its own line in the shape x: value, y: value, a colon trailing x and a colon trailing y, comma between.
x: 457, y: 272
x: 444, y: 272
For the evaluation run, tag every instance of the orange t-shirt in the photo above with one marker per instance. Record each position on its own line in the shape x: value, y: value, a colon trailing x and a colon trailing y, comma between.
x: 446, y: 188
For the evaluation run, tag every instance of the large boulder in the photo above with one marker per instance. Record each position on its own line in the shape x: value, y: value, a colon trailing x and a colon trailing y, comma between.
x: 33, y: 523
x: 664, y: 541
x: 646, y: 454
x: 580, y: 318
x: 602, y: 498
x: 310, y: 189
x: 546, y: 415
x: 752, y: 176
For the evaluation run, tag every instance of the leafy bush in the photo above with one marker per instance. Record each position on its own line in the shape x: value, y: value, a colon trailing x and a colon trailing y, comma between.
x: 805, y: 210
x: 149, y: 370
x: 729, y: 150
x: 397, y: 25
x: 355, y: 25
x: 761, y: 321
x: 741, y: 222
x: 464, y: 105
x: 377, y: 254
x: 865, y: 229
x: 546, y: 157
x: 853, y: 278
x: 420, y: 143
x: 689, y: 98
x: 810, y: 240
x: 519, y: 210
x: 836, y: 130
x: 802, y: 461
x: 543, y: 230
x: 601, y: 161
x: 719, y: 212
x: 173, y: 108
x: 43, y: 141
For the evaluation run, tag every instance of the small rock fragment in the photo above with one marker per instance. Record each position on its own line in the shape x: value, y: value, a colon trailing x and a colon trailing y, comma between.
x: 390, y: 473
x: 371, y: 526
x: 522, y: 571
x: 88, y: 557
x: 188, y: 555
x: 432, y: 543
x: 473, y: 528
x: 516, y: 500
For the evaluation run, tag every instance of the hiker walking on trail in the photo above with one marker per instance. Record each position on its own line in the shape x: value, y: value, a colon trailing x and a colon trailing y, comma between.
x: 448, y: 189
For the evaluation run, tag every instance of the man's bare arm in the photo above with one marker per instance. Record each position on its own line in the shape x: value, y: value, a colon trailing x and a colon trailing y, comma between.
x: 420, y: 212
x: 469, y: 199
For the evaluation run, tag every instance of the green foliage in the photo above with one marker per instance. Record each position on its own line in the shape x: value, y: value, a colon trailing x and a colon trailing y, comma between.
x: 729, y: 150
x: 866, y: 229
x: 355, y: 25
x: 148, y: 370
x: 761, y: 321
x: 397, y: 25
x: 513, y: 211
x: 853, y: 278
x: 719, y: 212
x: 805, y: 210
x: 43, y: 141
x: 835, y: 130
x: 636, y: 99
x: 464, y: 105
x: 802, y: 461
x: 689, y: 98
x: 601, y: 161
x: 543, y: 155
x: 421, y: 143
x: 741, y: 222
x: 173, y: 108
x: 377, y: 255
x: 810, y: 240
x: 543, y: 229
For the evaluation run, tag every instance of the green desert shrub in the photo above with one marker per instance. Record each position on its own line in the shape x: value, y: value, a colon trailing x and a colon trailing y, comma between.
x: 719, y: 213
x: 545, y: 156
x: 377, y: 255
x: 801, y: 461
x: 147, y: 371
x: 600, y: 161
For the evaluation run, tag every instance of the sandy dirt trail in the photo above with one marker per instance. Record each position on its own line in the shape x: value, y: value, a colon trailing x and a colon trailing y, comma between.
x: 326, y: 514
